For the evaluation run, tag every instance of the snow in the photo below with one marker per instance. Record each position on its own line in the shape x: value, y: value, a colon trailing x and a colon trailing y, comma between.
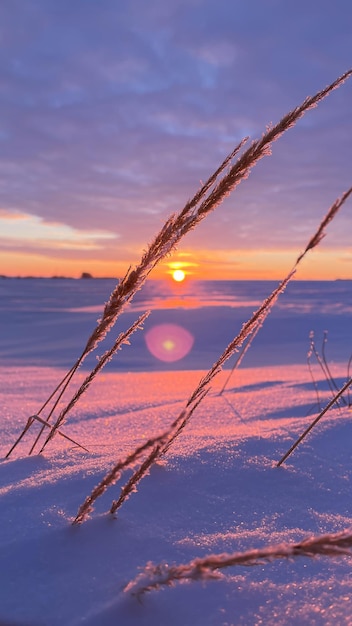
x: 218, y: 488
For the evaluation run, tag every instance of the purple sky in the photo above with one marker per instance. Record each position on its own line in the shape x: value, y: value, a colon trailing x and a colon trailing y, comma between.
x: 113, y: 111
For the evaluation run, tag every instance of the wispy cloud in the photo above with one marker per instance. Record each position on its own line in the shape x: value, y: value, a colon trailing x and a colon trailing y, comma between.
x: 18, y: 228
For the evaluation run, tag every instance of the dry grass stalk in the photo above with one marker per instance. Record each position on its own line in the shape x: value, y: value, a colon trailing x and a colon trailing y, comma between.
x: 110, y: 478
x: 324, y: 366
x: 209, y: 568
x: 30, y: 421
x: 329, y: 377
x: 311, y: 351
x: 59, y: 432
x: 335, y: 399
x: 45, y: 424
x: 313, y: 243
x: 189, y: 217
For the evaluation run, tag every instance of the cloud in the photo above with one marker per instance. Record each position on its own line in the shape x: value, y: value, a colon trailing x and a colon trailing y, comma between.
x: 19, y: 228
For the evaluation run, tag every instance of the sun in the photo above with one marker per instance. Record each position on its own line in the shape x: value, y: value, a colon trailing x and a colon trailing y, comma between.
x: 178, y: 275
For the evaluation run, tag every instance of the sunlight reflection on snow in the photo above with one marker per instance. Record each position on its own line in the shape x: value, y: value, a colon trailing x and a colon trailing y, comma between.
x: 169, y: 342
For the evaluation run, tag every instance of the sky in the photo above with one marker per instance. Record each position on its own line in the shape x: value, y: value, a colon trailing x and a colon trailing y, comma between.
x: 112, y: 113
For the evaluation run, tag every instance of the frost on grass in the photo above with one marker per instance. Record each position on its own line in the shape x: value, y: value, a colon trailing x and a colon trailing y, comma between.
x: 209, y: 568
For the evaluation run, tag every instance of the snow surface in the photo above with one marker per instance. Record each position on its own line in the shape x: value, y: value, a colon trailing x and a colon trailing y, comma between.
x: 218, y: 488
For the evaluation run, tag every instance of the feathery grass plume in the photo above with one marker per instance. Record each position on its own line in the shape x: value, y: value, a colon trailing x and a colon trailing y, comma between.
x: 313, y: 243
x: 160, y: 444
x: 110, y: 478
x: 114, y: 474
x: 178, y: 225
x: 209, y: 568
x: 337, y: 396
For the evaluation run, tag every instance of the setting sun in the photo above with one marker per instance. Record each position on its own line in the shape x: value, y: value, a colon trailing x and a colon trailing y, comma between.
x: 178, y: 275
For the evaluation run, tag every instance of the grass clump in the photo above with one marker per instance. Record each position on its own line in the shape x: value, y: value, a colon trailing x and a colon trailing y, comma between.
x: 159, y: 445
x: 207, y: 199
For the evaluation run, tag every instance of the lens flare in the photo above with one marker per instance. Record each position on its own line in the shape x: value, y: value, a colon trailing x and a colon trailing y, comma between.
x: 169, y: 342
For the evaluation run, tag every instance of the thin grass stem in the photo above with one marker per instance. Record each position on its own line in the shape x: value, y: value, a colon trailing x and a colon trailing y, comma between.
x: 313, y: 242
x: 317, y: 419
x: 349, y: 364
x: 123, y: 338
x: 62, y: 388
x: 310, y: 369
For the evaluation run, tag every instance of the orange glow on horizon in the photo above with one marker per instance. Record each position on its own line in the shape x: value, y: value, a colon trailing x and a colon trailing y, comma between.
x: 321, y: 264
